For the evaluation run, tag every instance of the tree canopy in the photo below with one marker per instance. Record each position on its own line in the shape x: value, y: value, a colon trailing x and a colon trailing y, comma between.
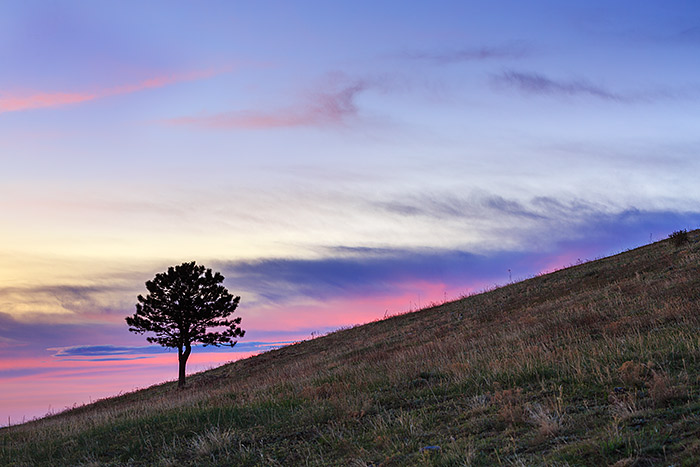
x: 187, y: 305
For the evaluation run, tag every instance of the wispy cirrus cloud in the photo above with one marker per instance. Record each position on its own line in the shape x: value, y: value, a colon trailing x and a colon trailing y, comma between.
x: 29, y: 100
x: 138, y: 352
x: 543, y: 223
x: 469, y: 54
x: 327, y: 107
x: 444, y: 207
x: 539, y: 84
x: 66, y: 301
x: 37, y: 100
x: 535, y: 83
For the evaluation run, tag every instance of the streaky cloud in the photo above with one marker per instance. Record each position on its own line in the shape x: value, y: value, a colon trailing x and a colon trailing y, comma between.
x: 69, y: 298
x: 37, y: 100
x: 349, y: 272
x: 31, y: 337
x: 103, y: 350
x: 20, y: 372
x: 320, y: 108
x: 134, y: 352
x: 447, y: 206
x: 525, y: 218
x: 469, y: 54
x: 14, y: 102
x: 538, y: 84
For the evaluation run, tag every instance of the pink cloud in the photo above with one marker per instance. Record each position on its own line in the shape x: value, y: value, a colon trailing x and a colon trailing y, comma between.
x: 161, y: 81
x: 320, y: 108
x: 245, y: 120
x: 38, y: 100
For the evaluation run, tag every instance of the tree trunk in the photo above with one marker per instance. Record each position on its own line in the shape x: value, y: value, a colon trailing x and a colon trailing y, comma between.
x: 182, y: 357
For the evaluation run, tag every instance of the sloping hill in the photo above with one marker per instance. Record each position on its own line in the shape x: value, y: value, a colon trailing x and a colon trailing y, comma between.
x: 597, y: 364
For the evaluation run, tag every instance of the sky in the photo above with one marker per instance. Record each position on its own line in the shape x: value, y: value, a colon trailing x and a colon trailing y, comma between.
x: 337, y: 162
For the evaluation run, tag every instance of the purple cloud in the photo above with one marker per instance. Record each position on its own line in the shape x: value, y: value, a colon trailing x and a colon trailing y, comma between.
x: 469, y: 54
x: 333, y: 106
x: 28, y: 337
x: 137, y: 352
x: 445, y: 207
x: 363, y: 272
x: 535, y: 83
x: 13, y: 102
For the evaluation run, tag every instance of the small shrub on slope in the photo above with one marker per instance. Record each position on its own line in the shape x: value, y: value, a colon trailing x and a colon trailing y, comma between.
x: 679, y: 238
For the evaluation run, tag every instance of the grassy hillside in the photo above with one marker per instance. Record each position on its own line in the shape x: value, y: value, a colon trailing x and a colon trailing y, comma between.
x: 597, y: 364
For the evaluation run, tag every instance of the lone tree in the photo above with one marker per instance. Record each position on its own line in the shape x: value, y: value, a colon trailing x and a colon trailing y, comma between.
x: 187, y: 305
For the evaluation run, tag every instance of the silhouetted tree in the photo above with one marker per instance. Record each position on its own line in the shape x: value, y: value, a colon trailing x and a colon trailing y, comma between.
x: 187, y: 305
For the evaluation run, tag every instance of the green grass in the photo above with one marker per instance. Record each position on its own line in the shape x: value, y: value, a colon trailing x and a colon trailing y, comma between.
x: 597, y: 364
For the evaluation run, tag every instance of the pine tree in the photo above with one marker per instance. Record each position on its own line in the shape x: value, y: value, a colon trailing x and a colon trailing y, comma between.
x: 187, y: 305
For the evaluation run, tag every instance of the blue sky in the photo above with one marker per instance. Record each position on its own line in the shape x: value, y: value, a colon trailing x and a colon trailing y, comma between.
x: 337, y: 161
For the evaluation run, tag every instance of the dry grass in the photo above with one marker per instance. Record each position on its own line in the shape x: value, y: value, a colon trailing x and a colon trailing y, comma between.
x: 511, y: 407
x: 633, y: 373
x: 595, y: 364
x: 661, y: 388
